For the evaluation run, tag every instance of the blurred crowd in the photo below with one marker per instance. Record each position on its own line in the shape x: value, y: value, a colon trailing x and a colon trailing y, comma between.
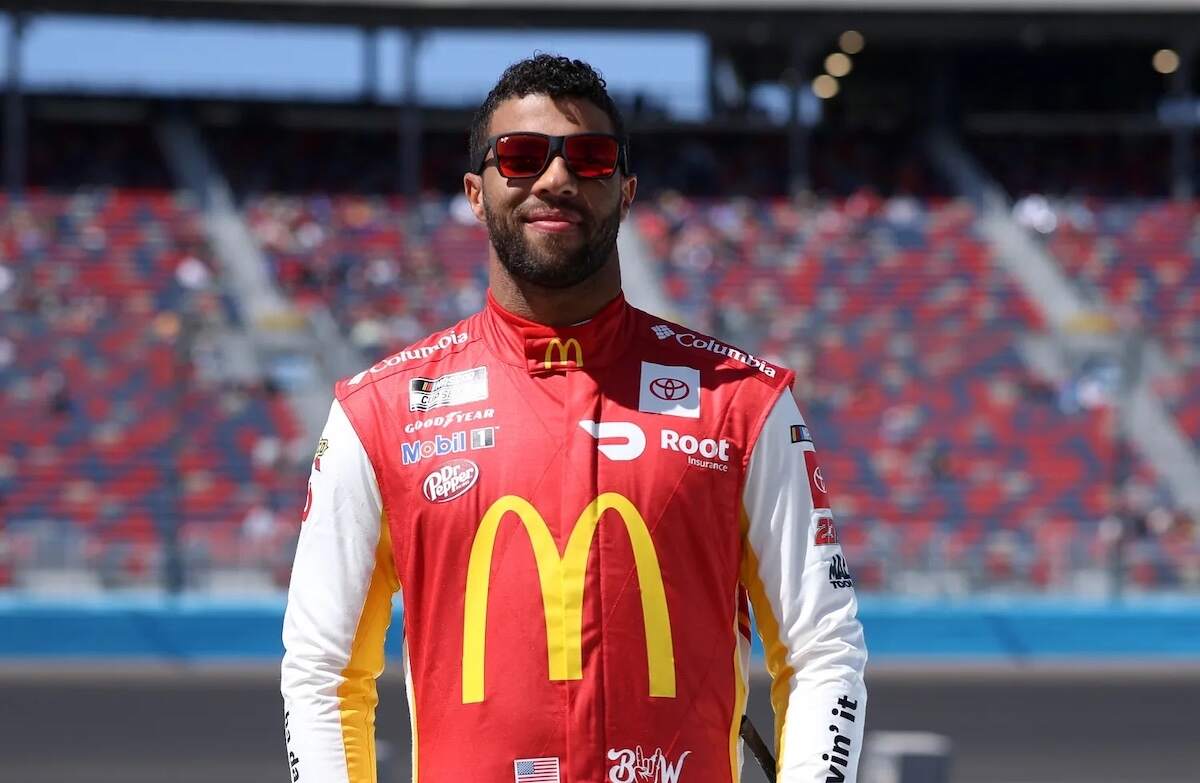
x: 122, y: 424
x: 135, y: 449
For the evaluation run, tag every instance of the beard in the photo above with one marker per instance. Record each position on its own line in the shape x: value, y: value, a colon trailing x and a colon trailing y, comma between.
x: 556, y: 264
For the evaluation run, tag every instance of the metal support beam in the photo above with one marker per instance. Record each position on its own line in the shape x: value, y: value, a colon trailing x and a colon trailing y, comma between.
x: 370, y: 64
x: 1183, y: 158
x: 14, y: 112
x: 410, y: 116
x: 799, y: 174
x: 710, y: 80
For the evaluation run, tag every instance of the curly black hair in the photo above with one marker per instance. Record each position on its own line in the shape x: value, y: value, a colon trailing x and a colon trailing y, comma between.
x: 544, y: 74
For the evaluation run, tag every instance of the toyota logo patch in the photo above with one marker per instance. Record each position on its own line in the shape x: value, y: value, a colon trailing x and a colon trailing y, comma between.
x: 669, y: 389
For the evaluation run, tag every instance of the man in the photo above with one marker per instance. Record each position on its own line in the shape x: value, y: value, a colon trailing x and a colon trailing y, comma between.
x: 578, y: 500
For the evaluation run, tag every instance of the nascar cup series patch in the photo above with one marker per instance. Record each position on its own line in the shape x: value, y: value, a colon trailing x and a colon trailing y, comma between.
x: 456, y: 388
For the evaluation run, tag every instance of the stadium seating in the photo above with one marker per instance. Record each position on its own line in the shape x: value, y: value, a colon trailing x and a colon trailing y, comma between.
x: 952, y: 467
x: 113, y: 439
x: 391, y: 272
x: 1142, y: 258
x: 943, y: 451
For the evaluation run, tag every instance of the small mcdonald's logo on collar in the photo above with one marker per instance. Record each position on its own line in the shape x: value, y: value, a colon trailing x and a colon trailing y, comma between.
x: 565, y: 351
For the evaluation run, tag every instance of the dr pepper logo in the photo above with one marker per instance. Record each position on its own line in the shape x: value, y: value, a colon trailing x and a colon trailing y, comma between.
x: 450, y: 481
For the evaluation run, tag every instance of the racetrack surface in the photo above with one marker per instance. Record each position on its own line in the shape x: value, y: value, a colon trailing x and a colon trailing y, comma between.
x: 136, y: 724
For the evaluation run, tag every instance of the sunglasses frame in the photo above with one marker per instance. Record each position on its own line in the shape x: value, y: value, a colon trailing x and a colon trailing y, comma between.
x: 556, y: 149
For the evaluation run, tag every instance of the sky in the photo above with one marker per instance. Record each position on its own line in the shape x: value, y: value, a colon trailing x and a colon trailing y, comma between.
x: 454, y: 66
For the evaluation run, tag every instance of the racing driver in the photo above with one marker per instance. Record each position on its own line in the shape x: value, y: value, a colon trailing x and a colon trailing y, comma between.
x: 580, y: 502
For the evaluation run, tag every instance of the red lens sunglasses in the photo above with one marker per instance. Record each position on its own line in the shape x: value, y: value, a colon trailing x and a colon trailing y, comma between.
x: 527, y: 154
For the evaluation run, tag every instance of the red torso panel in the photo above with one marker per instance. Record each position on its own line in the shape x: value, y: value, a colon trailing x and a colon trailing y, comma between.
x: 564, y: 510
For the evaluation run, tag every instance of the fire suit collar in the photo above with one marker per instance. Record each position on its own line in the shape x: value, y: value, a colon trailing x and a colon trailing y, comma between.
x: 543, y: 349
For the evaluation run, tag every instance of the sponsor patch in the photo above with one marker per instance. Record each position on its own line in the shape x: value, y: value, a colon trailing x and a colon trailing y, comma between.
x: 816, y: 481
x: 839, y: 572
x: 629, y: 439
x: 483, y: 438
x: 635, y: 766
x: 457, y: 388
x: 441, y: 445
x: 408, y: 354
x: 826, y: 532
x: 450, y: 481
x: 800, y: 434
x: 838, y: 756
x: 563, y: 355
x: 708, y: 453
x: 293, y: 759
x: 539, y: 770
x: 413, y: 452
x: 322, y: 447
x: 688, y: 340
x: 669, y: 390
x: 449, y: 420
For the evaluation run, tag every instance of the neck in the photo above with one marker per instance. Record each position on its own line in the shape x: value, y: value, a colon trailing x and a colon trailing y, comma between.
x: 555, y: 306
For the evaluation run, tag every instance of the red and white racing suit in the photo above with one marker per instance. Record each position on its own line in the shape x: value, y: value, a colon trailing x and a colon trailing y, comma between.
x: 577, y: 518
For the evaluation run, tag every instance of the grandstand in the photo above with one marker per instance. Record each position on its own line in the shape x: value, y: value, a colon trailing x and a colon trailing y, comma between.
x: 121, y: 431
x: 960, y: 464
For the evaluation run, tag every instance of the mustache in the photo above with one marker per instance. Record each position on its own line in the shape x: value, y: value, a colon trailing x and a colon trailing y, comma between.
x: 570, y: 211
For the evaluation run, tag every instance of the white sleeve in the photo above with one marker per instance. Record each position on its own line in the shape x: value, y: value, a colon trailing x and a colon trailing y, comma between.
x: 338, y: 610
x: 804, y: 605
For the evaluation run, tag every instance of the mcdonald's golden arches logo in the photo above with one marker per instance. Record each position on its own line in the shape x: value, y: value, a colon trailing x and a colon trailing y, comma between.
x: 562, y: 584
x: 564, y: 350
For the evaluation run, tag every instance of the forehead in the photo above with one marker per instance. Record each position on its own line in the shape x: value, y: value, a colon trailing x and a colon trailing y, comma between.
x: 553, y: 116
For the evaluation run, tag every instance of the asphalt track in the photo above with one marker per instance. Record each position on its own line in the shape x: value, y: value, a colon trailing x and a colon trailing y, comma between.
x: 1069, y: 724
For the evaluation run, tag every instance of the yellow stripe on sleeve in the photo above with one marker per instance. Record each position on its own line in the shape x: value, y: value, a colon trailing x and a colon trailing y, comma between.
x: 357, y: 695
x: 768, y: 628
x: 739, y: 703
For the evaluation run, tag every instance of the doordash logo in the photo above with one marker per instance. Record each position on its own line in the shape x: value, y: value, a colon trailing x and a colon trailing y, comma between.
x: 632, y: 439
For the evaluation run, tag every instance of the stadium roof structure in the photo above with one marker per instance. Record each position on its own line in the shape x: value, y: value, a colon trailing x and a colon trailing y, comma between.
x: 721, y: 19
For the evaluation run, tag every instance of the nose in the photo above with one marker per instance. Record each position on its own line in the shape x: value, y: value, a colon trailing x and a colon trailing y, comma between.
x: 557, y: 179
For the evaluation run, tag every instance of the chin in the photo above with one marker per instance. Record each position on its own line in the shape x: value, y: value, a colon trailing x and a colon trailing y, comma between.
x: 556, y: 276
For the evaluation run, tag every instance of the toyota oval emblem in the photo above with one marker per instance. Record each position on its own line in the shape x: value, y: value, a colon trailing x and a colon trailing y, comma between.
x: 669, y: 389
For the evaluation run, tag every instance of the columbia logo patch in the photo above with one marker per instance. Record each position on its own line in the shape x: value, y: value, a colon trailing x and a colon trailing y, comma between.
x: 662, y: 331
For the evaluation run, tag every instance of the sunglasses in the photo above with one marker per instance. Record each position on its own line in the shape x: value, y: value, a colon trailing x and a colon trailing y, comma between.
x: 526, y: 154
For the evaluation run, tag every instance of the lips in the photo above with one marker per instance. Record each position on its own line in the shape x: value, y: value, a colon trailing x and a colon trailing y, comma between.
x: 553, y: 221
x: 552, y: 216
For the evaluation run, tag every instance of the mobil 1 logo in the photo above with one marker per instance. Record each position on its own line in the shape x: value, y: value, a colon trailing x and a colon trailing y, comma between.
x: 414, y: 451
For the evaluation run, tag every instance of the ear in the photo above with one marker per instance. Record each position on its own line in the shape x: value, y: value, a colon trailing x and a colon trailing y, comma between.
x: 473, y: 187
x: 628, y: 191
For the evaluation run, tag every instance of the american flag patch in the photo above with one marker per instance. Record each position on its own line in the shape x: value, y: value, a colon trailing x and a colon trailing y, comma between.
x: 543, y: 770
x: 800, y: 434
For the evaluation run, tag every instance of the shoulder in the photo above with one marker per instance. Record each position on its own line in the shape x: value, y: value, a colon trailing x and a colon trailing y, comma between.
x: 667, y: 342
x: 433, y: 349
